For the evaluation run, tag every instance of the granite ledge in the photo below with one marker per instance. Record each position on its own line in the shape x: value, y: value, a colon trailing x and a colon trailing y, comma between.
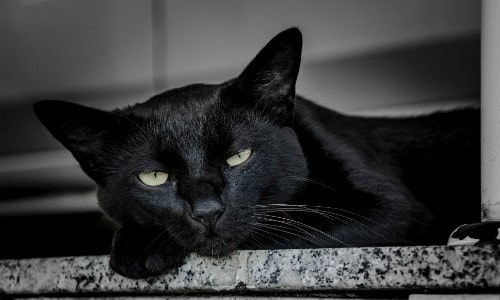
x: 318, y: 270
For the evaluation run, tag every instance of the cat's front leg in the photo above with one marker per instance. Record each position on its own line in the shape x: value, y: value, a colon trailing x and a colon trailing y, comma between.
x: 139, y: 252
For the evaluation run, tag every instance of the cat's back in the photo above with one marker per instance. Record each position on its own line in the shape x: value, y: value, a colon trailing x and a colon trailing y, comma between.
x: 398, y: 138
x: 437, y: 155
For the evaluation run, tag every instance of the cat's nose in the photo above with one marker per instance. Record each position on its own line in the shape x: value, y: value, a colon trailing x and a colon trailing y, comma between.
x: 207, y: 212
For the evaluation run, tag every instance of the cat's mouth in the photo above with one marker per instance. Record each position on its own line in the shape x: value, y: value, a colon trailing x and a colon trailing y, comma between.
x: 213, y: 245
x: 209, y: 239
x: 213, y: 242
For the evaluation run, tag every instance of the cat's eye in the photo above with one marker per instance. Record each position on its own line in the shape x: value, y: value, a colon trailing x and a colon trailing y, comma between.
x: 239, y: 158
x: 153, y: 178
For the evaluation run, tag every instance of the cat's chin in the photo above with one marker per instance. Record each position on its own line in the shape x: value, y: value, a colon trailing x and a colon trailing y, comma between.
x: 215, y: 246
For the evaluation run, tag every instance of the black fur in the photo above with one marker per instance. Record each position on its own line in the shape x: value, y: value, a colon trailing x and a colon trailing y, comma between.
x: 316, y: 178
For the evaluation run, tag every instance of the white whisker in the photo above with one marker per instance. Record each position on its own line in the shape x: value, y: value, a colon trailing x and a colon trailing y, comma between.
x: 285, y: 220
x: 314, y: 182
x: 325, y: 213
x: 285, y: 230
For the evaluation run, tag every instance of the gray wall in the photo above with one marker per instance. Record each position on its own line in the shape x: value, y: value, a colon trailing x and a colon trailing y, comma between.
x: 207, y: 36
x: 93, y: 49
x: 73, y: 47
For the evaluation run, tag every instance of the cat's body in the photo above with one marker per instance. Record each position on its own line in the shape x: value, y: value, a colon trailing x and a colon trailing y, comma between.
x: 385, y: 164
x: 248, y: 165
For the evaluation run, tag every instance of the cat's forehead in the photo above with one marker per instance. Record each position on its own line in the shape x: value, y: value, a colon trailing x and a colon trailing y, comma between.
x: 189, y: 117
x: 191, y: 100
x: 194, y: 117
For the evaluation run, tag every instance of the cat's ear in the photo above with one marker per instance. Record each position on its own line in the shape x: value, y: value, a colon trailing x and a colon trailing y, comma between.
x: 82, y: 130
x: 269, y: 80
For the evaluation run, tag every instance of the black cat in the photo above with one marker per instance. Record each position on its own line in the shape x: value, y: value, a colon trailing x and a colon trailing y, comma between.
x: 247, y: 164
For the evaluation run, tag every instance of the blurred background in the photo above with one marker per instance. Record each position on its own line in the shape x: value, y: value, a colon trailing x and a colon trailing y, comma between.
x: 386, y: 57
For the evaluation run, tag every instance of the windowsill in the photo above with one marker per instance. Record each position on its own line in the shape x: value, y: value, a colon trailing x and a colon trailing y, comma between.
x: 346, y: 271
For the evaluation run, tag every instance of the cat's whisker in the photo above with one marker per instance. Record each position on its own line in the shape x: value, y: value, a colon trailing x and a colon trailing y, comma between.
x: 327, y: 214
x: 223, y: 242
x: 289, y: 229
x: 300, y: 224
x: 266, y: 234
x: 285, y: 210
x: 338, y: 209
x: 267, y: 228
x: 325, y: 208
x: 315, y: 182
x: 263, y: 228
x: 283, y: 221
x: 341, y: 217
x: 253, y: 237
x: 250, y: 233
x: 285, y: 230
x: 354, y: 214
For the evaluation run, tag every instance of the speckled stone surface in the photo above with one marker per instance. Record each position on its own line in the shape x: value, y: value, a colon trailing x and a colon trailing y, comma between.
x: 460, y: 268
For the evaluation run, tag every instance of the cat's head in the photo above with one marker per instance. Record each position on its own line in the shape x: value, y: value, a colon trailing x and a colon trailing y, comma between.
x: 195, y: 160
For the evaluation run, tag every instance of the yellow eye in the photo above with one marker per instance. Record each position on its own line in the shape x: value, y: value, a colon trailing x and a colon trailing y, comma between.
x: 153, y: 178
x: 239, y: 158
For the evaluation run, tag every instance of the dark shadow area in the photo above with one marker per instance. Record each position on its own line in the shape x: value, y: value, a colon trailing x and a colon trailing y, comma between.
x: 55, y: 235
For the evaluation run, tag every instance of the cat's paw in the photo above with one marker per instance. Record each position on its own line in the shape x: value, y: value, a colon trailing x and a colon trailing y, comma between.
x: 144, y: 267
x: 135, y: 255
